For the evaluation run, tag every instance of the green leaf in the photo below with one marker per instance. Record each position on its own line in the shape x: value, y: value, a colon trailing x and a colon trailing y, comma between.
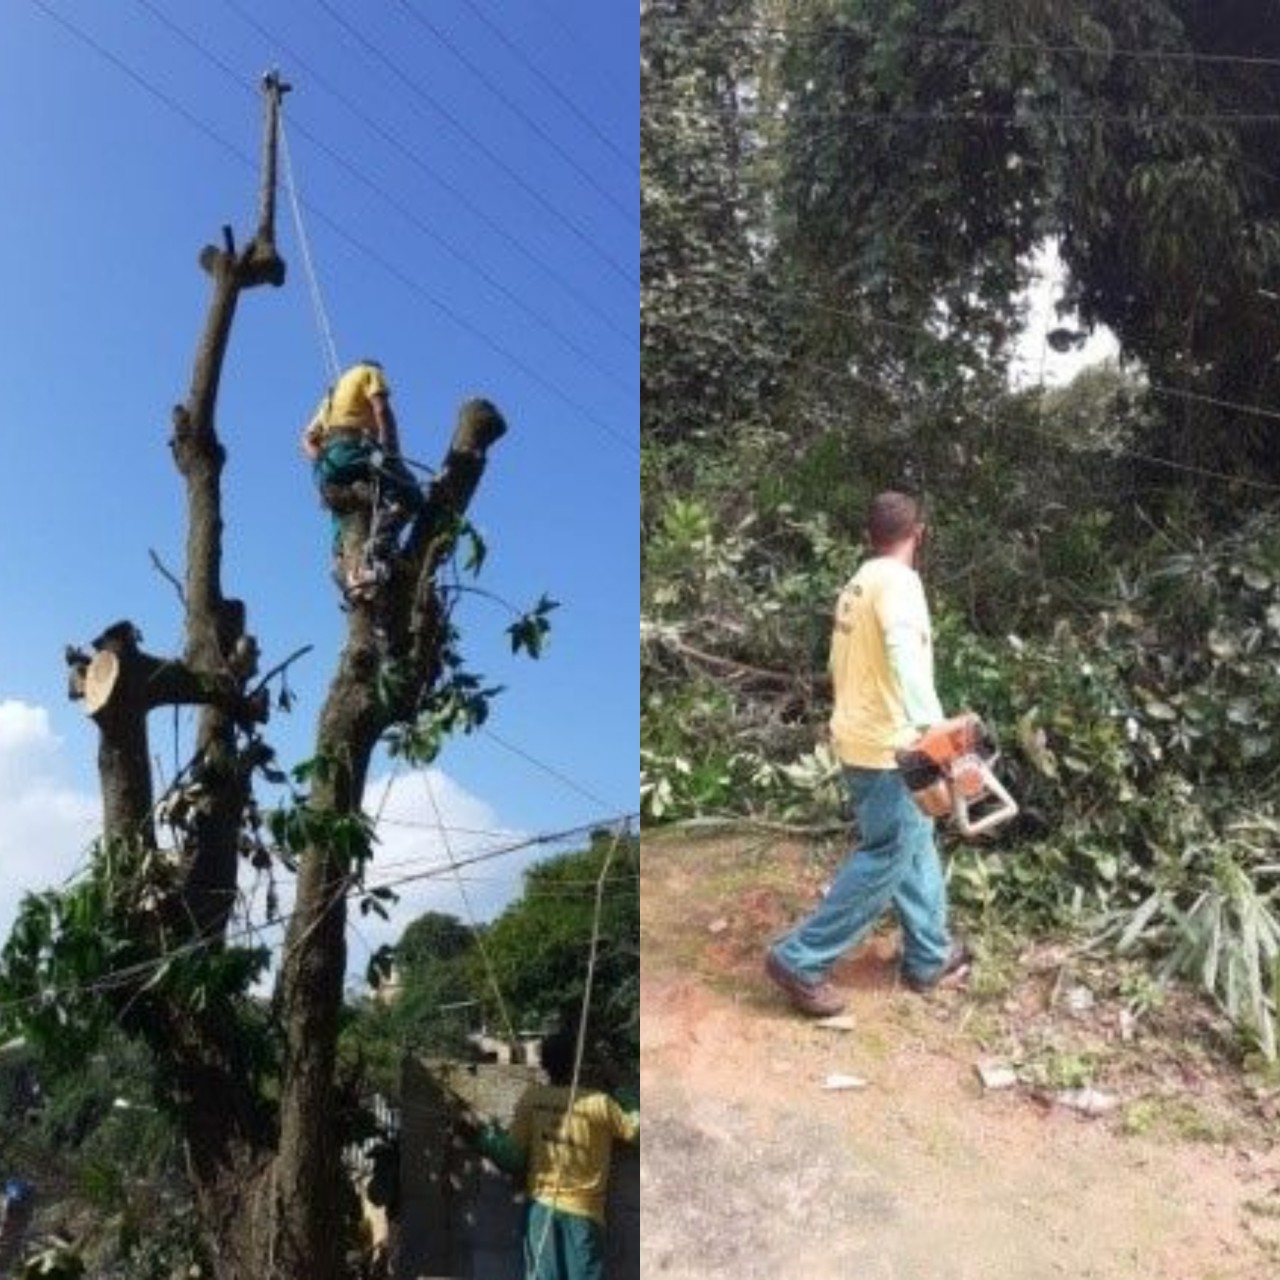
x: 529, y: 632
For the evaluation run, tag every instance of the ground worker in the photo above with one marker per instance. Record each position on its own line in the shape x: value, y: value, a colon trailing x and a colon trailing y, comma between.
x: 353, y: 439
x: 882, y: 671
x: 564, y: 1152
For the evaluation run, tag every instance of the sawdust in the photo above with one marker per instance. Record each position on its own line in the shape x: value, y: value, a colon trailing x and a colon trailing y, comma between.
x: 750, y: 1169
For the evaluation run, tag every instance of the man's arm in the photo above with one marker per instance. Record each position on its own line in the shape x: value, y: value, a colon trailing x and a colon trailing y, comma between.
x: 624, y: 1114
x: 312, y: 435
x: 385, y: 419
x: 909, y: 660
x: 905, y: 619
x: 495, y: 1144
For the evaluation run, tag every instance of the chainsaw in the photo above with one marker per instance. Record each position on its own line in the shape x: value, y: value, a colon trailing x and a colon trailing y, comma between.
x: 948, y: 771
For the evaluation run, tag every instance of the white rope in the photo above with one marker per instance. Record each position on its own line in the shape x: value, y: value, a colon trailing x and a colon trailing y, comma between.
x: 328, y: 348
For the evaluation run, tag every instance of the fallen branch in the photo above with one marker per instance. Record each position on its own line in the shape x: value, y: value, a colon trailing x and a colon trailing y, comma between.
x: 718, y: 821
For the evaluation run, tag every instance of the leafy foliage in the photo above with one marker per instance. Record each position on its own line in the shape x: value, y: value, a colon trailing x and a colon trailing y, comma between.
x: 709, y: 347
x: 104, y: 951
x: 539, y: 949
x: 931, y: 145
x: 535, y: 952
x: 427, y: 1006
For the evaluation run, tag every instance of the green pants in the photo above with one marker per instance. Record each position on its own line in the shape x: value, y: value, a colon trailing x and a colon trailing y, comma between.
x: 561, y: 1246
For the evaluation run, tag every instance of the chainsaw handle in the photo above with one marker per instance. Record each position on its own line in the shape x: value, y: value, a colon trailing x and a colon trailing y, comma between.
x: 1005, y: 810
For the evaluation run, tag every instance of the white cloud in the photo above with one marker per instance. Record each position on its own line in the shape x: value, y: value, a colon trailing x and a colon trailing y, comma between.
x: 46, y: 824
x: 414, y: 856
x: 411, y: 842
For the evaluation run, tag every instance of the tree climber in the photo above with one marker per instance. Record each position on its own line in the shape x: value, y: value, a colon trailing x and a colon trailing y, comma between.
x: 353, y: 442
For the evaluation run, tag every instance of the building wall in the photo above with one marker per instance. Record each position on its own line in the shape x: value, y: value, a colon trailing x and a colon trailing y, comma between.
x: 459, y: 1217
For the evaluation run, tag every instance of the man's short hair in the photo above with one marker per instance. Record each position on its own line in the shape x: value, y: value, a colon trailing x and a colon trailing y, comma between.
x: 369, y: 360
x: 891, y: 518
x: 558, y: 1053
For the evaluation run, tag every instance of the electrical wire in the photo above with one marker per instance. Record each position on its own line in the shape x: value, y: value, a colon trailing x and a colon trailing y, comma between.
x: 545, y: 80
x: 486, y: 960
x: 1160, y: 390
x: 474, y: 208
x: 503, y: 290
x: 498, y: 92
x: 827, y: 31
x: 418, y: 92
x: 403, y: 209
x: 550, y: 770
x: 1020, y: 117
x: 348, y: 237
x: 127, y: 974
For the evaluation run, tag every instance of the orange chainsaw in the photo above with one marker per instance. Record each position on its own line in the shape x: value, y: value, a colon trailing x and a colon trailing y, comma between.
x: 948, y: 771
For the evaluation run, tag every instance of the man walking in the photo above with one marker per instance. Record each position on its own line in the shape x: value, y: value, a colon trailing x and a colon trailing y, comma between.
x: 882, y: 671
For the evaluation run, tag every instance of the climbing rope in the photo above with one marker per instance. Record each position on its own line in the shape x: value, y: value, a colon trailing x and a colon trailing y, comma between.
x: 328, y: 348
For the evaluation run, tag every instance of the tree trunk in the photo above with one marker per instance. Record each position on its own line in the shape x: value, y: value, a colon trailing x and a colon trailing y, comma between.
x: 267, y: 1176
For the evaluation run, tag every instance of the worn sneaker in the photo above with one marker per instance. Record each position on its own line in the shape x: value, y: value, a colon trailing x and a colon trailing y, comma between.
x: 958, y: 964
x: 817, y: 999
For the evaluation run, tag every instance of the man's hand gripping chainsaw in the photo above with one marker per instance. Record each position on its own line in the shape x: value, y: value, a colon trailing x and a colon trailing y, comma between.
x: 948, y: 770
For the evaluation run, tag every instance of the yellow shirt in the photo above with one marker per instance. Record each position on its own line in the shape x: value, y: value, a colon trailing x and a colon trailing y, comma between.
x: 568, y: 1152
x: 883, y: 603
x: 349, y: 404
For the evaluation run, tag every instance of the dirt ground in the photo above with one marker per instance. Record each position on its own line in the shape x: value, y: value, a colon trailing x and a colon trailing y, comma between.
x: 751, y: 1168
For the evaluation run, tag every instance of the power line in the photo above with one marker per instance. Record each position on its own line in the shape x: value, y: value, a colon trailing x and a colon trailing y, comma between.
x: 826, y: 31
x: 543, y: 79
x: 126, y: 974
x: 398, y: 205
x: 1021, y: 117
x: 549, y: 770
x: 190, y: 117
x: 501, y: 94
x: 473, y: 207
x: 494, y: 283
x: 485, y: 958
x: 478, y: 143
x: 362, y: 248
x: 813, y: 302
x: 516, y: 361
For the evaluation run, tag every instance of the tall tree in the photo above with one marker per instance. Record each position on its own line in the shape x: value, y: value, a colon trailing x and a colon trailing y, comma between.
x: 143, y: 939
x: 931, y: 144
x: 710, y: 351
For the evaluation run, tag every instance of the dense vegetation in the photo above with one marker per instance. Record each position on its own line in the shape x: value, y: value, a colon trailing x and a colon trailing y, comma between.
x: 841, y: 203
x: 106, y: 1162
x: 523, y: 973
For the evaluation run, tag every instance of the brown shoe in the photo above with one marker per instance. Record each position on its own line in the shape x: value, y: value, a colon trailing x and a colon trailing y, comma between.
x: 953, y: 972
x: 817, y: 999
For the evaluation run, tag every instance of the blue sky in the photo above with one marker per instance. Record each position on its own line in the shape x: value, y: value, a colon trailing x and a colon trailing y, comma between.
x: 468, y: 172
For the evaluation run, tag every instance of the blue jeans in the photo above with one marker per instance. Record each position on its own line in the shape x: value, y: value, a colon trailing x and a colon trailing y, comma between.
x: 347, y: 461
x: 561, y: 1246
x: 894, y: 864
